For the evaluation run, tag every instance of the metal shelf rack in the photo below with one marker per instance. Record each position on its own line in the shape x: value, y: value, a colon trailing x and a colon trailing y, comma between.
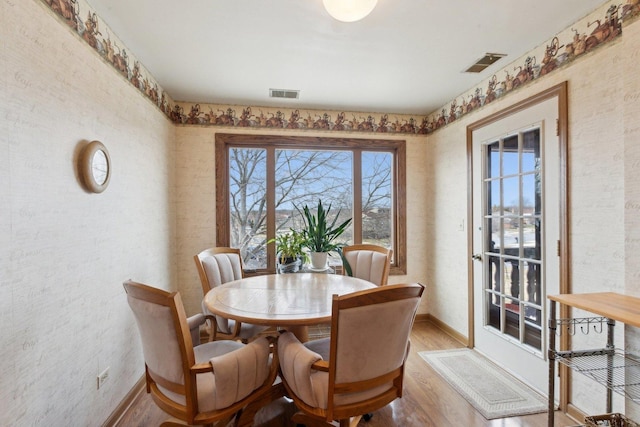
x: 608, y: 366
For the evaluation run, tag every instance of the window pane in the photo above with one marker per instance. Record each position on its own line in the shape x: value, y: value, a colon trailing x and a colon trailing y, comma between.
x: 494, y: 204
x: 511, y: 195
x: 247, y: 207
x: 529, y: 196
x: 510, y: 156
x: 377, y: 214
x: 531, y: 150
x: 305, y: 176
x: 493, y: 160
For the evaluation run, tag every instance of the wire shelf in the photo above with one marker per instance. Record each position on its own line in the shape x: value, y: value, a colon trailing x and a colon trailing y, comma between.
x: 585, y: 325
x: 617, y: 371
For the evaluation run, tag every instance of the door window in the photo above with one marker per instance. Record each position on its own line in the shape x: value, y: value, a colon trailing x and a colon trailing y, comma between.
x: 513, y: 214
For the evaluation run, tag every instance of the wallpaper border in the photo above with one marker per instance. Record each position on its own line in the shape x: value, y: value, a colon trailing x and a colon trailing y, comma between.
x: 595, y: 30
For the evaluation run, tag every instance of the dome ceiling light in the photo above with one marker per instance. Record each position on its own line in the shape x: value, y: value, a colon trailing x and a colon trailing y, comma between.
x: 349, y: 10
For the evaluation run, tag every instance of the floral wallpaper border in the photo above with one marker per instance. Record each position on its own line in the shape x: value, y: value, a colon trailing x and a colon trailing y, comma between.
x: 99, y: 37
x: 597, y: 29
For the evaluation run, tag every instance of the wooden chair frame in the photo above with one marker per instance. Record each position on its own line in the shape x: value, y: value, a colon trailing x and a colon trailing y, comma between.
x: 189, y: 412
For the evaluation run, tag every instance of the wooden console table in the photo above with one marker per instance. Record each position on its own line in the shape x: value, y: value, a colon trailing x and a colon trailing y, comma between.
x: 607, y: 365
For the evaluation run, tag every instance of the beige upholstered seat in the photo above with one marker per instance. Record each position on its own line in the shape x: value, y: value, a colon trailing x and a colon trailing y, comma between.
x: 368, y: 262
x: 217, y: 266
x: 202, y: 384
x: 360, y: 368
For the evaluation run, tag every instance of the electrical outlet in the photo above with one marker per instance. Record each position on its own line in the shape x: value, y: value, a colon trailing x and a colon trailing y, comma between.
x: 102, y: 377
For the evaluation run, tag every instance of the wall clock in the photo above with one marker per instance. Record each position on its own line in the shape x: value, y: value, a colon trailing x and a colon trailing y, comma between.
x: 95, y: 166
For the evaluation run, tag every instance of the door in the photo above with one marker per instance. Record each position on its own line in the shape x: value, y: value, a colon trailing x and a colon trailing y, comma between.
x: 516, y: 224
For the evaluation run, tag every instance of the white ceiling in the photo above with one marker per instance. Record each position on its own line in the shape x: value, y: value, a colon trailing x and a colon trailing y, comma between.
x: 406, y: 57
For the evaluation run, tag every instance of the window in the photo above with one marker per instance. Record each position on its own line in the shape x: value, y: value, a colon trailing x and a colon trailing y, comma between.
x: 513, y: 213
x: 263, y: 181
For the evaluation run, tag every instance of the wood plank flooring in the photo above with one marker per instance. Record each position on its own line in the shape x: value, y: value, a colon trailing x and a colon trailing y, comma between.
x: 428, y: 401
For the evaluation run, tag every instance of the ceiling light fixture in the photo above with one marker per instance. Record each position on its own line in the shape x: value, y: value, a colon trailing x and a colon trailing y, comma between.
x: 349, y: 10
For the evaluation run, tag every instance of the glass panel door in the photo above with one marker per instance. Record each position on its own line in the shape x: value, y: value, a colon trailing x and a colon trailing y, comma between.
x: 515, y: 232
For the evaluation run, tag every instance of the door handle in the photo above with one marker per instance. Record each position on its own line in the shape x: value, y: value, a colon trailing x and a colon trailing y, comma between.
x: 476, y: 257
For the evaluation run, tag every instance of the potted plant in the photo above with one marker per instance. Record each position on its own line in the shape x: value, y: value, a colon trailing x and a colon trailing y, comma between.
x: 320, y: 235
x: 290, y: 254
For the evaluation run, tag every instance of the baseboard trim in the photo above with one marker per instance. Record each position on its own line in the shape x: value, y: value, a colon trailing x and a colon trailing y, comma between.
x: 127, y: 402
x: 422, y: 317
x: 445, y: 328
x: 575, y: 413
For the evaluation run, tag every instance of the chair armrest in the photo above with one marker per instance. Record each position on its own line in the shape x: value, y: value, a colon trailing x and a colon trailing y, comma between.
x: 196, y: 320
x: 214, y: 326
x: 240, y: 372
x: 291, y: 350
x: 297, y: 366
x: 201, y: 368
x: 321, y: 365
x: 194, y: 323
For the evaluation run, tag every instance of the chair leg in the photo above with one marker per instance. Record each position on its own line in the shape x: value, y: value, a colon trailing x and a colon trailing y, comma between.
x: 302, y: 419
x: 174, y: 422
x: 352, y: 422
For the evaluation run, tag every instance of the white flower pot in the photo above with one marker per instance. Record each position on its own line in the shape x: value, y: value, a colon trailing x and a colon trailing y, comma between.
x: 318, y: 260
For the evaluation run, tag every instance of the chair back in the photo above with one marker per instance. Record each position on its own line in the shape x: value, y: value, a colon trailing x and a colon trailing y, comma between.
x: 370, y: 333
x: 166, y: 339
x: 368, y: 262
x: 217, y: 266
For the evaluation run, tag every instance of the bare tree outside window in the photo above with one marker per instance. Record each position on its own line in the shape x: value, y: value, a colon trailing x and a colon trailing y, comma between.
x: 247, y: 199
x: 302, y: 178
x: 377, y: 212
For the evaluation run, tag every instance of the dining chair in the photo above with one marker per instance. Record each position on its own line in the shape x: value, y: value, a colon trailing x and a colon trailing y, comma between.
x: 203, y: 384
x: 368, y: 262
x: 217, y: 266
x: 360, y: 367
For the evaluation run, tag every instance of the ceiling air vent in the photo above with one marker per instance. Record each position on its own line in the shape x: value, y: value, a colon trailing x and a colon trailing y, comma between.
x: 284, y: 93
x: 484, y: 62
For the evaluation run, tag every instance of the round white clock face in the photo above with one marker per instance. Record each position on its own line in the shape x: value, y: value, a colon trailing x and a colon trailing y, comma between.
x: 95, y: 167
x: 99, y: 167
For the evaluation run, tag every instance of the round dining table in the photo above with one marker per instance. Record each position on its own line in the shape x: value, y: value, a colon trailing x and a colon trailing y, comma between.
x: 292, y: 301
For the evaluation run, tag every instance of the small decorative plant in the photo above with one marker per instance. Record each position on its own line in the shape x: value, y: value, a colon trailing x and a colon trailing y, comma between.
x: 290, y: 249
x: 320, y: 235
x: 289, y: 245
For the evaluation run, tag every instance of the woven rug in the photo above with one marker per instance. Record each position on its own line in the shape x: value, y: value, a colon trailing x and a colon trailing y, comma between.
x: 492, y: 391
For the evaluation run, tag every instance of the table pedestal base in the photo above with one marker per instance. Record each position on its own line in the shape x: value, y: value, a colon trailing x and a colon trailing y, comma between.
x: 300, y: 331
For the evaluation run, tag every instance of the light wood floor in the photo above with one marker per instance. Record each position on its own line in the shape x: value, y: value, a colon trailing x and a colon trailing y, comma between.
x: 428, y: 400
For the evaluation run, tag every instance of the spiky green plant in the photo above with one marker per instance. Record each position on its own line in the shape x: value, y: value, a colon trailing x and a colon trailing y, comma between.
x: 318, y: 234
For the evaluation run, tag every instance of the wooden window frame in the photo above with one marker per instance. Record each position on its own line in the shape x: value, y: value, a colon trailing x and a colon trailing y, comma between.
x: 225, y: 141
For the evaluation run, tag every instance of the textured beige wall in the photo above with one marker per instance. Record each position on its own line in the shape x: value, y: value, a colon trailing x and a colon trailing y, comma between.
x: 604, y: 191
x: 631, y: 163
x: 196, y: 227
x: 64, y: 252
